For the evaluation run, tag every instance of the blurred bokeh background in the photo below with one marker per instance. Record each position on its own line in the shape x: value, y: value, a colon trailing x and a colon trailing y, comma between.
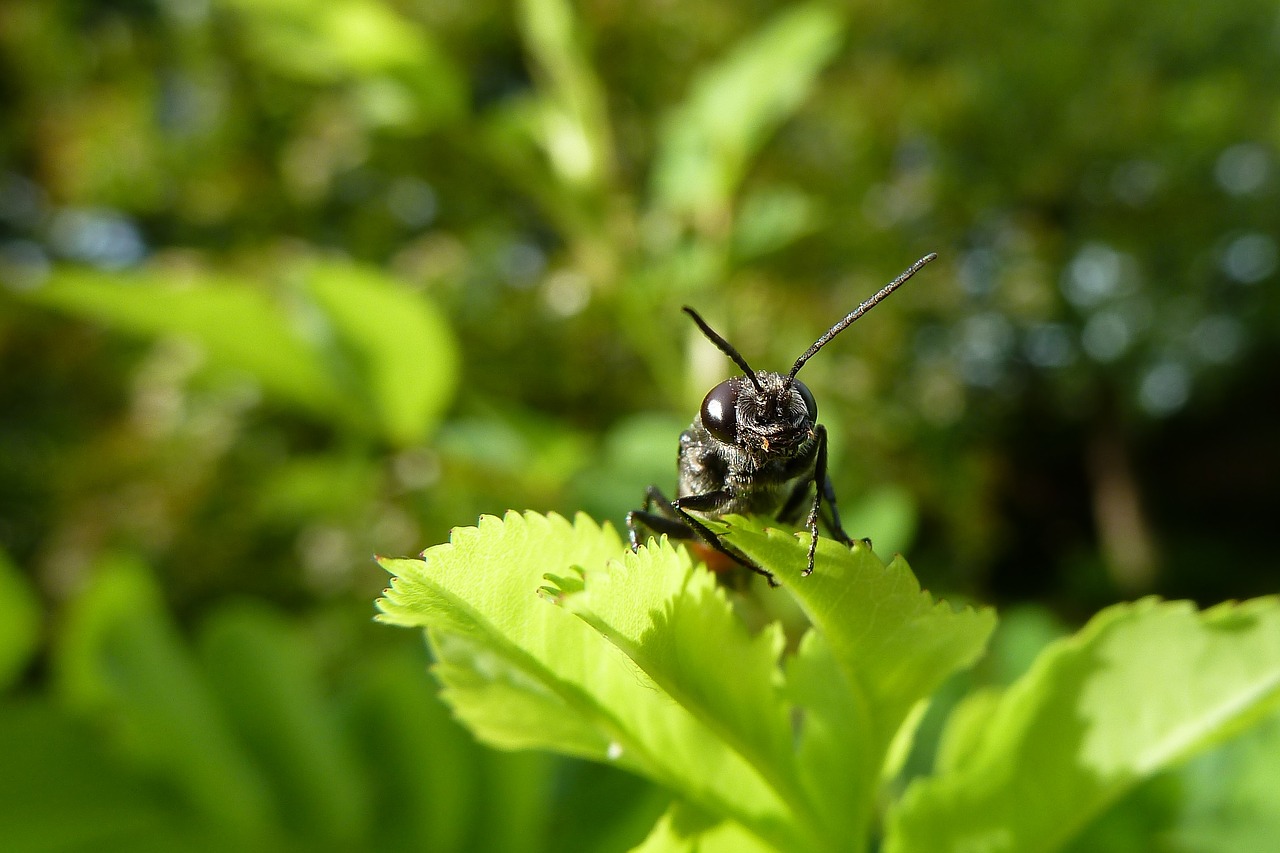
x: 288, y: 283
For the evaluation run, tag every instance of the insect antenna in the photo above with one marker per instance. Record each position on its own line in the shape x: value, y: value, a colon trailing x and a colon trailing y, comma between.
x: 856, y: 313
x: 724, y: 347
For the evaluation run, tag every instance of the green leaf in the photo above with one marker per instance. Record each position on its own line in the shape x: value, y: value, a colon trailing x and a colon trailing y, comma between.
x: 708, y: 141
x: 659, y: 673
x: 1141, y: 687
x: 1230, y: 797
x: 677, y: 625
x: 881, y: 645
x: 235, y: 322
x: 406, y: 361
x: 893, y: 640
x: 403, y: 345
x: 19, y: 621
x: 121, y: 660
x: 772, y: 218
x: 505, y: 652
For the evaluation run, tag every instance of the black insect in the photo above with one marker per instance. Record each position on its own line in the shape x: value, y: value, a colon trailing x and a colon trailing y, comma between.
x: 755, y: 448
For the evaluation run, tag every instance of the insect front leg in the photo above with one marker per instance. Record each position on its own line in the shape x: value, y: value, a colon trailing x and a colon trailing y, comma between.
x: 822, y: 486
x: 711, y: 502
x: 665, y: 520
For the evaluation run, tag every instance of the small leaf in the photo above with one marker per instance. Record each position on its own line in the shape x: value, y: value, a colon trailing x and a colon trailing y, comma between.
x: 1140, y: 688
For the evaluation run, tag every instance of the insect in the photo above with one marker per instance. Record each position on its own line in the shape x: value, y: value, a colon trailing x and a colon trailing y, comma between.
x: 756, y: 447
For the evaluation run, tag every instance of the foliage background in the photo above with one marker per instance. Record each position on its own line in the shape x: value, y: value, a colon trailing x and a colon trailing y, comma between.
x: 290, y: 283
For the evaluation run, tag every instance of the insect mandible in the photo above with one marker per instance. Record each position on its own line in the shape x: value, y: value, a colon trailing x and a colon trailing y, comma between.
x: 756, y: 447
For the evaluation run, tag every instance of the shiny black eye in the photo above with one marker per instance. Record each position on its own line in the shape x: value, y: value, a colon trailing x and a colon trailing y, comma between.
x: 719, y: 411
x: 807, y: 395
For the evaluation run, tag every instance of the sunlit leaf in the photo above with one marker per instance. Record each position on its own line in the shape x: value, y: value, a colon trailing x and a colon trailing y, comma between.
x: 881, y: 645
x: 661, y: 663
x: 1230, y: 797
x: 1142, y: 687
x: 678, y: 626
x: 684, y: 829
x: 520, y: 651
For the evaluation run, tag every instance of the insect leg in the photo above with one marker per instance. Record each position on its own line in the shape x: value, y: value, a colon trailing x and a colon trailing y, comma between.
x: 710, y: 501
x: 822, y: 485
x: 665, y: 520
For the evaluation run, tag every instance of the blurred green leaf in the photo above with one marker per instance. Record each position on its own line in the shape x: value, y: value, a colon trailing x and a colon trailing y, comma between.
x: 1140, y: 688
x: 572, y: 117
x: 772, y: 218
x: 235, y: 322
x: 636, y: 451
x: 19, y: 621
x: 734, y: 105
x: 1230, y: 797
x: 684, y: 829
x: 887, y: 515
x: 366, y: 43
x: 303, y: 490
x: 61, y: 789
x: 120, y: 661
x: 419, y: 758
x: 402, y: 343
x: 266, y: 680
x: 519, y: 786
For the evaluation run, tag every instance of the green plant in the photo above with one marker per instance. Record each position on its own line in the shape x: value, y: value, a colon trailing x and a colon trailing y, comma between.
x: 549, y: 634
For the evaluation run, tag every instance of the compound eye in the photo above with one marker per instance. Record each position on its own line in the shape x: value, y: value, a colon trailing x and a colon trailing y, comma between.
x: 720, y: 411
x: 809, y: 403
